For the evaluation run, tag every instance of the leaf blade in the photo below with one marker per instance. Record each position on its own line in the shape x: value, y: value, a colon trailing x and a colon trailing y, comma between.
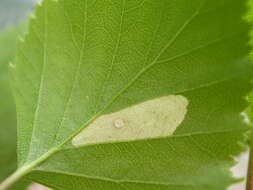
x: 104, y: 45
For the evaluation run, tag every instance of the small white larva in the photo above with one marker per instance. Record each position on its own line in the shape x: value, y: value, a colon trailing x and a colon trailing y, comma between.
x: 119, y: 123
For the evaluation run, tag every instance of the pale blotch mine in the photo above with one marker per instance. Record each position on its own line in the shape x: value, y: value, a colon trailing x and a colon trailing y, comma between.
x: 155, y: 118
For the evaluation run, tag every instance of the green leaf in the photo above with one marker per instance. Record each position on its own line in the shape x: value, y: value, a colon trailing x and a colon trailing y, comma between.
x: 7, y: 108
x: 84, y: 63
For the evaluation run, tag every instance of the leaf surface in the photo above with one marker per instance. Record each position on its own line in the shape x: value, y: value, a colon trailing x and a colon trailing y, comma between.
x: 85, y: 59
x: 8, y: 134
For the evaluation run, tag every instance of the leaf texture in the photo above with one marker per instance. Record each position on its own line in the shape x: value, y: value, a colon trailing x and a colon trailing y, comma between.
x: 86, y: 58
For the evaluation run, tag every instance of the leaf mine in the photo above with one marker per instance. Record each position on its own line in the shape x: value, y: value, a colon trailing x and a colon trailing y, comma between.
x: 159, y: 117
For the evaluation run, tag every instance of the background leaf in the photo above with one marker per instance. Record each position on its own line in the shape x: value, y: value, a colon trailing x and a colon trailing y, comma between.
x: 83, y: 59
